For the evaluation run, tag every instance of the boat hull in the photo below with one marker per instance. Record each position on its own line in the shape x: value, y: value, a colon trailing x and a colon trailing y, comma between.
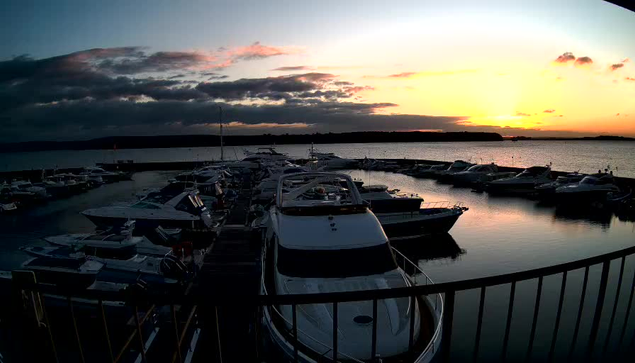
x: 426, y: 222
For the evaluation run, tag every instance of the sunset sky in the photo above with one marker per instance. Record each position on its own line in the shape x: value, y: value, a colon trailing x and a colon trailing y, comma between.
x: 82, y: 69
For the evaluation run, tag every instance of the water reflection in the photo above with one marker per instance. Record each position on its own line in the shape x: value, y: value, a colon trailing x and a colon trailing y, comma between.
x: 430, y: 248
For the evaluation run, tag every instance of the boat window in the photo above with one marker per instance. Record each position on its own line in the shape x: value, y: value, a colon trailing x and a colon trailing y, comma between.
x: 186, y: 205
x: 336, y: 263
x: 589, y: 180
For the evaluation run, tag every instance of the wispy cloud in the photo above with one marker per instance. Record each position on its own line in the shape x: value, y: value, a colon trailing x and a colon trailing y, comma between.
x: 259, y: 51
x: 293, y: 68
x: 522, y: 114
x: 549, y: 111
x: 410, y: 75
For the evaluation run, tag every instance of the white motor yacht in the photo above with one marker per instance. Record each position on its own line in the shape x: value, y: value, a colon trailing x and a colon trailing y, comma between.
x: 474, y: 174
x: 99, y: 175
x: 330, y: 161
x: 590, y: 188
x: 447, y: 175
x: 524, y: 182
x: 319, y: 242
x: 264, y: 154
x: 184, y: 210
x: 26, y: 190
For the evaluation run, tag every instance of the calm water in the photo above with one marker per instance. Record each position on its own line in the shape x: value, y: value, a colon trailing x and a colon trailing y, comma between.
x: 497, y: 235
x: 586, y: 156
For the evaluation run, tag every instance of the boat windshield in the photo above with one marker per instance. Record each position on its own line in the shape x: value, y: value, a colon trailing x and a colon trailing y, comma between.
x: 338, y: 263
x: 589, y: 180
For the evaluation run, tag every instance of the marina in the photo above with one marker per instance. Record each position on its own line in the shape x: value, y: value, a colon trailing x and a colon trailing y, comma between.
x: 440, y: 231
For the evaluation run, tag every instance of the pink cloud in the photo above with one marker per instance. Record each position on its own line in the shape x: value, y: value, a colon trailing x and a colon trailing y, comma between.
x: 259, y: 51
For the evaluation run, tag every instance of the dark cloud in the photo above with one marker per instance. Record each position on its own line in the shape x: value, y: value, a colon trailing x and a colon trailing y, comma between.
x: 616, y: 66
x: 549, y: 111
x: 583, y: 61
x: 177, y: 76
x: 565, y: 58
x: 292, y: 68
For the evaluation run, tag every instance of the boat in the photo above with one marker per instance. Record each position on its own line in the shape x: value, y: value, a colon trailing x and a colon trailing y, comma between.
x: 525, y: 182
x: 330, y: 161
x: 99, y: 176
x: 184, y: 210
x: 429, y: 172
x: 592, y: 188
x: 311, y: 241
x: 474, y: 174
x: 548, y: 189
x: 381, y: 200
x: 113, y: 242
x: 264, y: 154
x: 433, y: 218
x: 70, y: 273
x: 447, y: 175
x: 25, y: 191
x: 6, y: 207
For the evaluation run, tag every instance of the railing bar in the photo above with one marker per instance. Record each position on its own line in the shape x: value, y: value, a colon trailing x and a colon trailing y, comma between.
x: 558, y: 315
x: 411, y: 334
x: 177, y: 338
x: 479, y: 323
x: 598, y: 308
x: 447, y: 325
x: 48, y: 326
x: 580, y: 308
x: 79, y: 342
x: 628, y: 311
x: 510, y: 311
x: 532, y: 335
x: 617, y: 299
x: 373, y: 350
x: 184, y: 331
x: 295, y: 332
x: 220, y: 352
x: 335, y: 331
x: 141, y: 343
x: 105, y: 323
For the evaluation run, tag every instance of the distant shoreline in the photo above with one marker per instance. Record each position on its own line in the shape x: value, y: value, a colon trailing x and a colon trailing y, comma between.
x: 180, y: 141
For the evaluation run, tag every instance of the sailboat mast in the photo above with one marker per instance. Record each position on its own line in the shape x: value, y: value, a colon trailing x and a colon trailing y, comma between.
x: 220, y: 122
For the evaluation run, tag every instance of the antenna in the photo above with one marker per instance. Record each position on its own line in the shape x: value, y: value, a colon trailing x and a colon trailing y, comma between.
x: 220, y: 122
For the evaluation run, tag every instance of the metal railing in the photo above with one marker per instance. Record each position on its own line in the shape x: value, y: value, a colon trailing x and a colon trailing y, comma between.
x: 604, y: 316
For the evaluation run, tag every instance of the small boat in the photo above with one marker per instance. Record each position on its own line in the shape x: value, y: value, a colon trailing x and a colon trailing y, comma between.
x: 113, y: 242
x: 310, y: 244
x: 591, y: 188
x: 184, y: 210
x: 429, y: 172
x: 381, y: 200
x: 330, y: 161
x: 25, y: 191
x: 99, y: 175
x: 474, y: 174
x: 548, y: 189
x: 70, y: 273
x: 525, y: 182
x: 433, y: 218
x: 7, y: 207
x: 264, y: 154
x: 447, y: 175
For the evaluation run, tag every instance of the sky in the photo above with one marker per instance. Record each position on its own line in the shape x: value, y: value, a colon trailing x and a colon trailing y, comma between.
x: 82, y: 69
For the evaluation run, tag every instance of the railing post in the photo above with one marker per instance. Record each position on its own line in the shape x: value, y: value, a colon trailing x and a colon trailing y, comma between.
x: 105, y: 323
x: 510, y: 311
x: 335, y: 331
x: 558, y: 314
x: 295, y: 331
x: 598, y: 308
x: 177, y: 338
x: 628, y: 311
x: 532, y: 335
x: 141, y: 342
x: 447, y: 324
x: 617, y: 299
x: 373, y: 350
x: 479, y: 324
x: 413, y: 305
x: 580, y: 307
x: 79, y: 342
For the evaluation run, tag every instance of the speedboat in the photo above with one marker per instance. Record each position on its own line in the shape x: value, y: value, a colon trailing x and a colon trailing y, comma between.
x: 474, y: 174
x: 264, y: 154
x: 548, y: 189
x: 113, y: 242
x: 99, y: 175
x: 330, y: 161
x: 525, y: 182
x: 381, y: 200
x: 429, y: 172
x: 591, y: 188
x: 433, y: 218
x: 184, y: 210
x: 320, y: 242
x: 447, y: 175
x: 71, y: 273
x: 27, y: 192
